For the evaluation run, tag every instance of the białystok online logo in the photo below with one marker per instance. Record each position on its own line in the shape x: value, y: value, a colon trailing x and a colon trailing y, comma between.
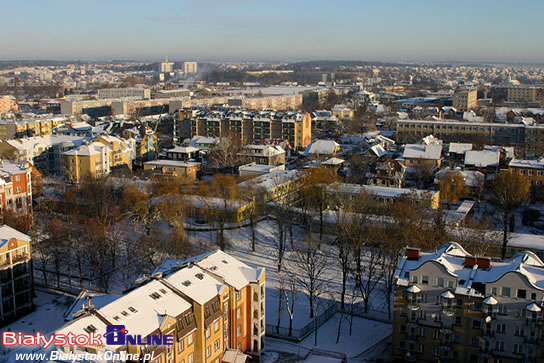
x: 115, y: 335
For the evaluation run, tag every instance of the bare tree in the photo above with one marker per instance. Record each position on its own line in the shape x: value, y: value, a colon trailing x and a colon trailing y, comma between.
x: 372, y: 274
x: 220, y: 197
x: 290, y: 304
x: 509, y: 190
x: 310, y: 264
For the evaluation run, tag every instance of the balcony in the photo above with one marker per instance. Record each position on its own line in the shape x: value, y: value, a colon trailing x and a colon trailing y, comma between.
x: 448, y: 311
x: 413, y: 306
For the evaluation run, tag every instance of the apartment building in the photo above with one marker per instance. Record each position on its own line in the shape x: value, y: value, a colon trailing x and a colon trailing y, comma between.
x: 531, y: 169
x: 251, y: 127
x: 43, y: 152
x: 15, y: 274
x: 263, y: 154
x: 98, y: 158
x: 465, y: 100
x: 454, y: 307
x: 521, y: 94
x: 140, y: 107
x: 7, y: 104
x: 15, y: 188
x: 528, y: 139
x: 39, y: 126
x: 211, y: 304
x: 186, y: 169
x: 190, y: 67
x: 133, y: 92
x: 346, y: 193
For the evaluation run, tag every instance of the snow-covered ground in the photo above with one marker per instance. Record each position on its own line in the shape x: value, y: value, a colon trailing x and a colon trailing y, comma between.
x: 48, y: 316
x: 365, y: 335
x: 239, y: 246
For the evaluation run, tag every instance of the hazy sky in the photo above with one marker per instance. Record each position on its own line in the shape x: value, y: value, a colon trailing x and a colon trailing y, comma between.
x: 389, y: 30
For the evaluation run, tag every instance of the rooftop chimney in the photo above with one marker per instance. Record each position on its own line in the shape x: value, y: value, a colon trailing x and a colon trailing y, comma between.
x: 413, y: 253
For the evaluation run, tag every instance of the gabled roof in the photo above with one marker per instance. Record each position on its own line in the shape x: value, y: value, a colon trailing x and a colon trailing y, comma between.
x: 417, y: 151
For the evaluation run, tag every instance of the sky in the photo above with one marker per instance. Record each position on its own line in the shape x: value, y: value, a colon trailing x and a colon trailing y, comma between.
x: 272, y: 30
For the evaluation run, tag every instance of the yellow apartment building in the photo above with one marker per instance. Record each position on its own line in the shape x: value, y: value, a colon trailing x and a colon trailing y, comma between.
x: 96, y: 159
x: 465, y: 100
x: 210, y: 304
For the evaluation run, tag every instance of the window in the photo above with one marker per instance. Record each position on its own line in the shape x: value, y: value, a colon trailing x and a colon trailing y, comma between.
x: 238, y: 313
x: 494, y: 291
x: 503, y: 309
x: 207, y: 332
x: 501, y: 328
x: 189, y: 319
x: 180, y: 346
x: 420, y: 348
x: 520, y: 331
x: 522, y: 294
x: 421, y: 332
x: 17, y: 177
x: 436, y: 351
x: 17, y: 190
x: 475, y: 341
x: 216, y: 345
x: 476, y: 324
x: 456, y: 339
x: 425, y: 280
x: 440, y: 282
x: 436, y: 334
x: 238, y: 296
x: 238, y: 330
x: 518, y: 348
x: 190, y: 339
x: 460, y: 303
x: 216, y: 326
x: 414, y: 279
x: 533, y: 296
x: 208, y: 351
x: 450, y: 284
x: 190, y: 359
x: 506, y: 291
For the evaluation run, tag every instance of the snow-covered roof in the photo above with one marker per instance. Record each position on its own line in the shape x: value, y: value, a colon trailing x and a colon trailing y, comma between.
x: 7, y: 233
x: 378, y: 150
x: 355, y: 189
x: 183, y: 149
x: 144, y: 319
x: 452, y: 257
x: 175, y: 163
x: 322, y: 147
x: 417, y: 151
x: 46, y: 140
x: 229, y: 269
x: 95, y: 148
x: 333, y: 161
x: 194, y: 282
x: 497, y: 148
x: 535, y: 164
x: 272, y: 180
x: 483, y: 158
x: 459, y: 148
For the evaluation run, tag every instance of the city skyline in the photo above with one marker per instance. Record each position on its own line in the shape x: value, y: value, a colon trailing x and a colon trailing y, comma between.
x: 394, y: 31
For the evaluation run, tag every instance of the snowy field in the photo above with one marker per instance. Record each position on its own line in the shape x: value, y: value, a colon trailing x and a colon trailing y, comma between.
x: 48, y: 316
x: 366, y: 333
x: 358, y: 347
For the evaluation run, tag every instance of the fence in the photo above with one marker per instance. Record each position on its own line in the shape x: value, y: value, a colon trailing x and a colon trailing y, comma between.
x: 300, y: 334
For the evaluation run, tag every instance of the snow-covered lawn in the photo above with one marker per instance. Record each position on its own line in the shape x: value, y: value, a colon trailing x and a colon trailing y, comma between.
x: 365, y: 335
x: 239, y: 246
x: 48, y: 316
